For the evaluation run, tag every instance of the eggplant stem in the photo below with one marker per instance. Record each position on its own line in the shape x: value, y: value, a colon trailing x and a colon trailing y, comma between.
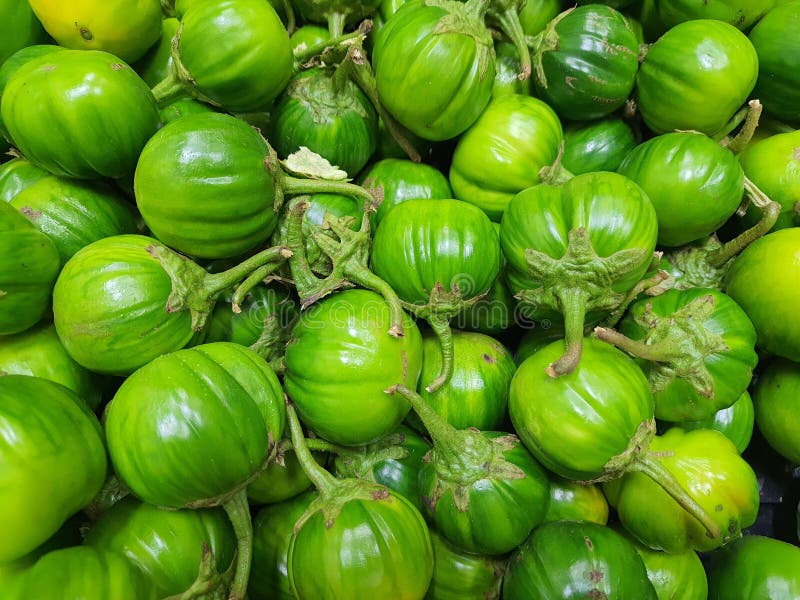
x: 239, y: 514
x: 295, y: 186
x: 511, y: 26
x: 633, y: 347
x: 305, y: 54
x: 441, y: 327
x: 573, y: 307
x: 336, y: 22
x: 322, y: 480
x: 653, y: 468
x: 742, y: 139
x: 218, y: 282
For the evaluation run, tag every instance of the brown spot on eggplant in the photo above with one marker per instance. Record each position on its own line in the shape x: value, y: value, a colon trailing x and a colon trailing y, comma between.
x: 595, y: 576
x: 30, y: 213
x: 589, y: 543
x: 380, y: 494
x: 489, y: 359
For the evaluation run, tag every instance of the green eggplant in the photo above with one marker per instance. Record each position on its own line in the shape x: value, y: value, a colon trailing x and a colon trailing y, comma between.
x: 339, y: 361
x: 693, y: 182
x: 735, y: 422
x: 39, y: 352
x: 83, y: 573
x: 337, y: 14
x: 210, y: 186
x: 577, y: 252
x: 585, y: 62
x: 283, y: 478
x: 773, y: 164
x: 458, y: 575
x: 308, y: 36
x: 439, y: 256
x: 705, y: 463
x: 597, y: 145
x: 394, y: 461
x: 603, y: 412
x: 754, y: 567
x: 536, y: 14
x: 507, y: 70
x: 740, y: 13
x: 575, y: 501
x: 179, y: 551
x: 778, y: 55
x: 482, y: 490
x: 476, y: 395
x: 82, y: 114
x: 775, y: 398
x: 157, y: 62
x: 334, y: 119
x: 356, y: 539
x: 674, y: 576
x: 536, y: 338
x: 695, y: 77
x: 170, y: 421
x: 696, y: 346
x: 396, y: 180
x: 145, y: 301
x: 446, y: 43
x: 273, y: 528
x: 16, y: 175
x: 22, y: 28
x: 12, y: 64
x: 504, y: 152
x: 233, y: 54
x: 75, y: 213
x: 53, y: 457
x: 572, y: 560
x: 29, y: 269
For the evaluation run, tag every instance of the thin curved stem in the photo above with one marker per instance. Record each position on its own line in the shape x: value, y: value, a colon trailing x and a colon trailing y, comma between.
x: 573, y: 307
x: 295, y: 186
x: 362, y: 276
x: 307, y: 53
x: 239, y: 513
x: 635, y: 348
x: 218, y: 282
x: 321, y: 479
x: 336, y: 22
x: 511, y: 26
x: 256, y: 277
x: 441, y: 327
x: 649, y: 465
x: 742, y: 139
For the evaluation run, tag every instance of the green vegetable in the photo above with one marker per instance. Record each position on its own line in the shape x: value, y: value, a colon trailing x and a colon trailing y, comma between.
x: 164, y: 439
x: 708, y: 466
x: 156, y: 64
x: 776, y: 399
x: 336, y: 13
x: 22, y: 28
x: 82, y: 114
x: 572, y: 560
x: 17, y: 175
x: 696, y: 76
x: 54, y: 462
x: 735, y: 422
x: 28, y: 271
x: 339, y: 361
x: 458, y: 575
x: 597, y: 145
x: 504, y: 151
x: 574, y: 501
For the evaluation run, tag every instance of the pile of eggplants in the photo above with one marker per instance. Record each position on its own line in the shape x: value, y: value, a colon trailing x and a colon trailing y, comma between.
x: 410, y: 299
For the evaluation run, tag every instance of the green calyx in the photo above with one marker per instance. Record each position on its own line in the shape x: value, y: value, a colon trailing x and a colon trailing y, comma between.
x: 705, y: 265
x: 466, y: 18
x: 505, y: 13
x: 578, y: 282
x: 359, y: 462
x: 546, y: 41
x: 348, y: 252
x: 333, y: 493
x: 679, y: 345
x: 460, y: 457
x: 637, y: 458
x: 179, y: 82
x: 210, y: 584
x: 318, y: 93
x: 196, y: 290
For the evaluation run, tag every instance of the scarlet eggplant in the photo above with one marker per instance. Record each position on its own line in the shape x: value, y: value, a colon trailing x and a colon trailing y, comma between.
x: 180, y: 552
x: 459, y: 575
x: 330, y: 116
x: 82, y: 114
x: 693, y: 182
x: 570, y: 560
x: 709, y: 467
x: 696, y: 346
x: 235, y: 54
x: 355, y: 518
x: 758, y: 566
x: 39, y: 352
x: 29, y: 269
x: 51, y: 448
x: 339, y: 361
x: 164, y: 441
x: 578, y: 252
x: 776, y: 400
x: 209, y: 185
x: 504, y: 152
x: 429, y: 41
x: 476, y: 395
x: 696, y: 76
x: 585, y: 62
x: 483, y: 491
x: 603, y: 413
x: 439, y: 256
x: 146, y: 301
